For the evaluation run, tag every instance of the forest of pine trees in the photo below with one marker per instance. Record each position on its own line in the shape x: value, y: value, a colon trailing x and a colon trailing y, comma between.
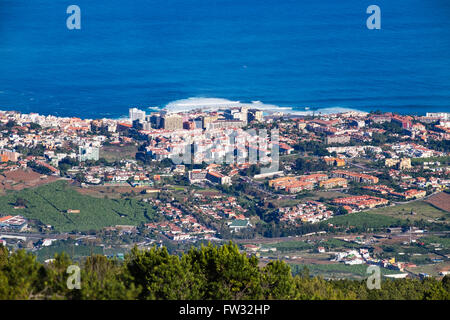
x: 211, y: 272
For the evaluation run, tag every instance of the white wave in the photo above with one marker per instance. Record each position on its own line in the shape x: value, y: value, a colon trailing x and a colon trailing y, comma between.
x: 334, y: 110
x: 212, y: 104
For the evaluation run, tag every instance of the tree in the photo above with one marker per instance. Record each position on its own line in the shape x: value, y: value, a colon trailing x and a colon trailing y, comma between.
x: 20, y: 275
x: 306, y: 165
x: 39, y: 168
x: 225, y: 273
x: 104, y: 278
x: 277, y: 281
x: 34, y: 126
x: 161, y: 275
x: 20, y: 202
x: 10, y: 124
x: 165, y: 163
x: 80, y: 177
x: 208, y: 272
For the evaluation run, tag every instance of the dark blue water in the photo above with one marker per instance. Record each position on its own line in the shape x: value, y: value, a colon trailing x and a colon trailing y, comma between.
x: 315, y: 53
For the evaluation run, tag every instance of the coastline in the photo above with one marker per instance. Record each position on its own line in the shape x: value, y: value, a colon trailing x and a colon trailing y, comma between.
x: 202, y: 104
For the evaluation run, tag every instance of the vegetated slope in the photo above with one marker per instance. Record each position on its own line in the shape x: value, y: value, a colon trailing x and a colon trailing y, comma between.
x: 420, y: 209
x: 337, y: 270
x: 364, y: 219
x: 49, y: 205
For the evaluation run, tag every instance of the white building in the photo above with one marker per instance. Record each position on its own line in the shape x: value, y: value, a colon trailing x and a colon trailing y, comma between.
x: 88, y: 153
x: 136, y: 114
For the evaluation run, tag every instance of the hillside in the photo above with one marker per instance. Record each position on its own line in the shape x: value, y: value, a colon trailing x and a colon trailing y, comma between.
x: 49, y: 204
x: 440, y: 201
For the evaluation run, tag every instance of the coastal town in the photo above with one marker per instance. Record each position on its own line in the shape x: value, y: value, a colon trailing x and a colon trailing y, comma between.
x: 348, y: 188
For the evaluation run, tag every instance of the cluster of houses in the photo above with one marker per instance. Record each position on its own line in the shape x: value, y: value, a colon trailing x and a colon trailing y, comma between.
x: 355, y: 203
x: 55, y: 135
x: 220, y: 208
x: 406, y: 195
x: 126, y: 172
x: 413, y: 150
x: 310, y: 211
x: 339, y: 179
x: 436, y: 179
x: 294, y: 184
x: 355, y: 176
x: 353, y: 256
x: 179, y: 225
x: 362, y: 256
x: 356, y: 151
x: 228, y: 144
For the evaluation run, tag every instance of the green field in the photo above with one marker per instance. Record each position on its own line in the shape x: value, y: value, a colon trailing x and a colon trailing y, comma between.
x: 364, y: 219
x: 177, y: 188
x: 299, y: 245
x: 289, y: 246
x: 337, y: 270
x: 422, y: 210
x: 48, y: 204
x: 432, y: 269
x: 443, y: 241
x: 337, y: 243
x: 73, y: 251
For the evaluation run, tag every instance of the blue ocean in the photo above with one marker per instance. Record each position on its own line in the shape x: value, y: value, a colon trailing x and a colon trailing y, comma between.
x: 301, y: 54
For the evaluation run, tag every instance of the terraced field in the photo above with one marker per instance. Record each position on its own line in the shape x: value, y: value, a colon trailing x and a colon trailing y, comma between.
x: 49, y: 204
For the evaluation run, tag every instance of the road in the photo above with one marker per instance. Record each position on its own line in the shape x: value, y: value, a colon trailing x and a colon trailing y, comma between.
x: 334, y: 235
x: 36, y: 236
